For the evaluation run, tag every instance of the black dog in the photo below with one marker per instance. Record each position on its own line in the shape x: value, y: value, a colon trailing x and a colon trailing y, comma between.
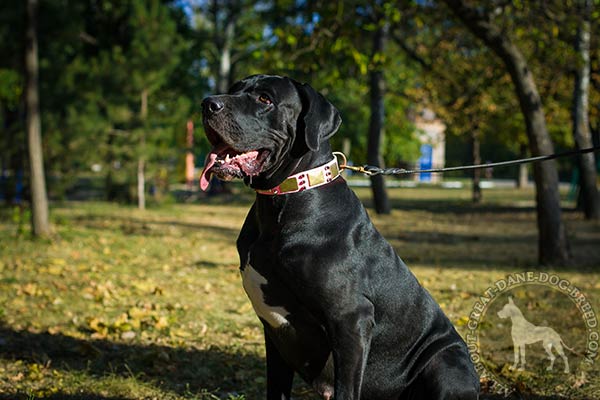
x: 338, y: 305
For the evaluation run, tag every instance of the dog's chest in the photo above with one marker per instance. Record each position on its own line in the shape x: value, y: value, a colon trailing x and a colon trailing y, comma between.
x: 255, y: 286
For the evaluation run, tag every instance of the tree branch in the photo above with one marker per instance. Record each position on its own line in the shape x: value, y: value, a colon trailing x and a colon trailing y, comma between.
x: 412, y: 53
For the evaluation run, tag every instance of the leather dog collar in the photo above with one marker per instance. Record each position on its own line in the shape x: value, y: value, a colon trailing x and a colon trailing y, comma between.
x: 304, y: 180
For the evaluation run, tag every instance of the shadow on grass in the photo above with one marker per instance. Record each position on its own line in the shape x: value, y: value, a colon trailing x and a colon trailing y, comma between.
x: 65, y: 396
x: 207, y: 264
x: 461, y: 207
x: 142, y: 227
x: 180, y: 370
x: 456, y: 206
x: 461, y: 238
x: 520, y: 396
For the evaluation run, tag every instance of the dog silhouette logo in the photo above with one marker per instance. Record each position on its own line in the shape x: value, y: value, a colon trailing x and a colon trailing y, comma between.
x: 518, y: 315
x: 524, y: 332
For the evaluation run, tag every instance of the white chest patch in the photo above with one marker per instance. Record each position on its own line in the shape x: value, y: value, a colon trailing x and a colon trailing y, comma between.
x: 252, y: 281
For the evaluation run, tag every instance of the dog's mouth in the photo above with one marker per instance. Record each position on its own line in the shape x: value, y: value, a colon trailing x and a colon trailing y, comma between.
x: 227, y: 163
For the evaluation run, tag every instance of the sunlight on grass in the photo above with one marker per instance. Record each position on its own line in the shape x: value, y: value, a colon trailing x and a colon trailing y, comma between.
x: 129, y: 304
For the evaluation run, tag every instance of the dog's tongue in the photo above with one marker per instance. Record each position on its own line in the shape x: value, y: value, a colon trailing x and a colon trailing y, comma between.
x: 210, y: 161
x: 205, y: 177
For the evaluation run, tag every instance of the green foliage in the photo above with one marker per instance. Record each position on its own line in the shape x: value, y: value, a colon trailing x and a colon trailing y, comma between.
x: 96, y: 58
x: 11, y: 87
x: 92, y: 73
x: 469, y: 87
x: 329, y: 44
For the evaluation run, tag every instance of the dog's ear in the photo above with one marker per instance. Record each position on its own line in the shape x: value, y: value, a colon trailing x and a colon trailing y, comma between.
x: 319, y: 119
x: 510, y: 300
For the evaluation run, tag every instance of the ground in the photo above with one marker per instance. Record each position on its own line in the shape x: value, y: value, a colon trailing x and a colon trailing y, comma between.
x: 124, y: 304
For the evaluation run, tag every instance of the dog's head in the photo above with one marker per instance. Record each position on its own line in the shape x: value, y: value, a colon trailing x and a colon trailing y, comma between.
x: 509, y: 310
x: 265, y: 128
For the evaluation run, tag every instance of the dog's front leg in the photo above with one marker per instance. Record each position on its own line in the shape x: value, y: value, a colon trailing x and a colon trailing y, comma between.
x: 279, y: 374
x: 516, y: 355
x: 351, y: 339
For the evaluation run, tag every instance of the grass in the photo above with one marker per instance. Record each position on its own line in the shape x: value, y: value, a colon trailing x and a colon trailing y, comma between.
x: 123, y: 304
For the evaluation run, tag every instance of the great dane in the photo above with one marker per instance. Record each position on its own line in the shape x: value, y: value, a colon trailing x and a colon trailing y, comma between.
x: 339, y: 307
x: 524, y: 332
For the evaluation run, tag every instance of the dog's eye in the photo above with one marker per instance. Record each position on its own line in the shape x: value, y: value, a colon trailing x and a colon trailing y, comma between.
x: 263, y: 98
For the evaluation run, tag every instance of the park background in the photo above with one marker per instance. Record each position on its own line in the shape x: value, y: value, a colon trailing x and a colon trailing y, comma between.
x: 118, y: 278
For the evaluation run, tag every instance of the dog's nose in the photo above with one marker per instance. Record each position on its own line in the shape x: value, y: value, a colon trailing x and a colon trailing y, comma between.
x: 212, y: 105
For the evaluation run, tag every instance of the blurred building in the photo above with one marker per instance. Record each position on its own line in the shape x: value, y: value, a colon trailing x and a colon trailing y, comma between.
x: 431, y: 133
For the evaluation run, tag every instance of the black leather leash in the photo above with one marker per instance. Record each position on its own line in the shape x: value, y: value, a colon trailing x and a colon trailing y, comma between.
x: 371, y: 170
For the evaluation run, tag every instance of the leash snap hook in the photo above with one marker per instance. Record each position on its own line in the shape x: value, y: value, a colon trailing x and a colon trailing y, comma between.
x: 367, y: 169
x: 344, y: 163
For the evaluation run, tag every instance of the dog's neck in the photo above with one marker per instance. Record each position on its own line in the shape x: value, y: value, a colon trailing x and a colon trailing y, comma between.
x: 307, y: 161
x: 307, y: 179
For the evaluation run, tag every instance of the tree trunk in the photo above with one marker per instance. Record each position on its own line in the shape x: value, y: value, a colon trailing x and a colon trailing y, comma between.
x: 224, y: 39
x: 141, y: 177
x: 108, y: 179
x: 189, y: 156
x: 224, y: 75
x: 581, y: 131
x: 376, y: 132
x: 39, y: 199
x: 476, y: 148
x: 523, y: 170
x: 553, y: 245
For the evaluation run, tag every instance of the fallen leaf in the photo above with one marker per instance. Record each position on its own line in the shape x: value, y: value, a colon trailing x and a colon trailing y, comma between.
x: 180, y: 333
x: 580, y: 380
x: 18, y: 377
x: 30, y: 289
x: 161, y: 322
x: 129, y: 335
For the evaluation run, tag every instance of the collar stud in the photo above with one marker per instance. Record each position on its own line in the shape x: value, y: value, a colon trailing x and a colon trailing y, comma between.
x: 305, y: 180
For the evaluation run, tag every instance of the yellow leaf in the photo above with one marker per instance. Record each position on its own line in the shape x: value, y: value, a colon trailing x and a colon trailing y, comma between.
x: 94, y: 324
x: 245, y: 308
x: 53, y: 330
x: 137, y: 313
x: 18, y: 377
x: 181, y: 333
x: 30, y: 289
x: 55, y: 270
x: 135, y: 323
x: 145, y: 286
x: 161, y: 323
x: 99, y: 335
x: 58, y: 262
x: 121, y: 319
